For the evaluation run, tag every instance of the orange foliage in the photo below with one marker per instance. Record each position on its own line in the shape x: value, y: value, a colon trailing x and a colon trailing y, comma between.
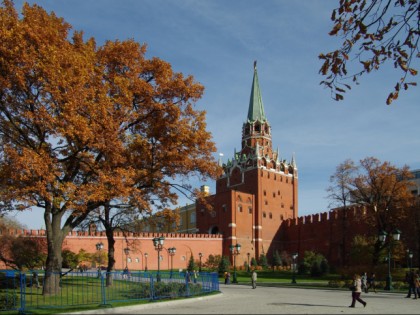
x: 81, y: 125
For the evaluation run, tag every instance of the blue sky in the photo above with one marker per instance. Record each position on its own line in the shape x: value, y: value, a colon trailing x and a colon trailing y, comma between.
x: 217, y: 42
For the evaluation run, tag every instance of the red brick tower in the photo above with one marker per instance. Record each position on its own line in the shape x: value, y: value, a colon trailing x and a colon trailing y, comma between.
x: 257, y: 191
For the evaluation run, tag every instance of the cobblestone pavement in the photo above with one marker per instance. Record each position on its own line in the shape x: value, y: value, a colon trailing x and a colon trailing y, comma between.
x: 242, y: 299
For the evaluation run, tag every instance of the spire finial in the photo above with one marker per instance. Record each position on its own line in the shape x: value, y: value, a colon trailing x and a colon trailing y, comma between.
x: 255, y: 64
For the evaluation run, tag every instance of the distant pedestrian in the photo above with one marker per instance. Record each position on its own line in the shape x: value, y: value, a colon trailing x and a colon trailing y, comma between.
x: 35, y: 279
x: 357, y: 291
x: 409, y: 278
x: 125, y: 273
x: 364, y: 279
x: 228, y: 277
x: 254, y: 279
x: 371, y: 282
x: 416, y: 281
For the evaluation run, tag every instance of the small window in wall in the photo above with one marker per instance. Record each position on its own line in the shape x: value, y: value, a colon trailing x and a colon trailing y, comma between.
x: 274, y: 195
x: 281, y: 217
x: 250, y: 210
x: 278, y: 192
x: 287, y: 180
x: 240, y: 208
x: 270, y: 215
x: 180, y: 220
x: 137, y: 260
x: 129, y: 259
x: 282, y: 205
x: 264, y: 214
x: 265, y: 193
x: 266, y: 202
x: 192, y: 217
x: 183, y: 258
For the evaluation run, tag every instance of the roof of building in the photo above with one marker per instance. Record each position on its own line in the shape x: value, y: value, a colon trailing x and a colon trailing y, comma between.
x: 256, y: 107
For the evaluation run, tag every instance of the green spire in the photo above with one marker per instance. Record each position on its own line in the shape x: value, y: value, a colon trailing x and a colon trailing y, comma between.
x: 256, y: 107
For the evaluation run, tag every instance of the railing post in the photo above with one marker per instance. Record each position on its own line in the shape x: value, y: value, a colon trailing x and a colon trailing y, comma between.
x: 152, y: 289
x: 22, y: 284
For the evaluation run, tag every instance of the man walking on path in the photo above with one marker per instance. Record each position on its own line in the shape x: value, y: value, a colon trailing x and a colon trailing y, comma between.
x: 254, y: 279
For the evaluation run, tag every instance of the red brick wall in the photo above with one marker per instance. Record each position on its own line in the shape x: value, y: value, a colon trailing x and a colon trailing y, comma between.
x: 185, y: 244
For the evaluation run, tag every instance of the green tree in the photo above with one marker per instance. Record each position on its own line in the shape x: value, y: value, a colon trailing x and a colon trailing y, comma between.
x: 254, y: 262
x: 262, y: 261
x: 374, y: 33
x: 70, y: 259
x: 191, y: 263
x: 224, y: 265
x: 313, y: 263
x: 277, y: 259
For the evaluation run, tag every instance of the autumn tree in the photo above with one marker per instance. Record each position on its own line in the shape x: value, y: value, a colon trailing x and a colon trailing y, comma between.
x: 88, y: 125
x: 383, y: 189
x: 339, y: 192
x: 374, y: 32
x: 22, y: 253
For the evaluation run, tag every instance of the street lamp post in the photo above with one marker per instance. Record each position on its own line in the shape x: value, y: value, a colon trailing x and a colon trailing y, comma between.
x: 172, y: 251
x: 126, y: 252
x: 158, y: 243
x: 248, y: 254
x: 411, y: 259
x: 145, y: 258
x: 294, y: 256
x: 395, y: 237
x: 235, y: 250
x: 200, y: 255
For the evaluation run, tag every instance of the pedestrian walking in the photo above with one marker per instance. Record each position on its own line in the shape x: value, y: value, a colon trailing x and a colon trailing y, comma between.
x: 371, y: 282
x: 410, y: 279
x: 416, y: 281
x: 357, y: 291
x: 254, y: 279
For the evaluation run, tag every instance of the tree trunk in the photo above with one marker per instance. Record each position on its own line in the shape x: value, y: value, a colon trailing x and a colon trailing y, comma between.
x: 111, y: 257
x: 55, y: 237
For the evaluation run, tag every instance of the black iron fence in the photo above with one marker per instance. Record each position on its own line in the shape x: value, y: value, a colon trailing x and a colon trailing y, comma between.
x: 23, y: 291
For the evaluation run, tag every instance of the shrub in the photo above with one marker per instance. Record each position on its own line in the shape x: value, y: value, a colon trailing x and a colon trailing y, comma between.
x: 7, y: 300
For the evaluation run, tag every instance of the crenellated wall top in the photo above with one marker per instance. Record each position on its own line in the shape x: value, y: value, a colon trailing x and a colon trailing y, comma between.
x: 19, y: 232
x: 330, y: 216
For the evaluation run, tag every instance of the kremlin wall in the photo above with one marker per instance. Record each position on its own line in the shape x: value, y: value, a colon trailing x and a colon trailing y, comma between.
x: 322, y: 233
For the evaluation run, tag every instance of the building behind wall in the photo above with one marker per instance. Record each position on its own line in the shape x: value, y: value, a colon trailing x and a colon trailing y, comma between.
x: 257, y: 191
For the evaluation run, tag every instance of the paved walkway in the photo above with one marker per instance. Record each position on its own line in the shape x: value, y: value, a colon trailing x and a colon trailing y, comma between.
x: 242, y: 299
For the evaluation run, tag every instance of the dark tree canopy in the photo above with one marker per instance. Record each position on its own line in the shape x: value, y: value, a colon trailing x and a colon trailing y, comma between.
x: 374, y: 32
